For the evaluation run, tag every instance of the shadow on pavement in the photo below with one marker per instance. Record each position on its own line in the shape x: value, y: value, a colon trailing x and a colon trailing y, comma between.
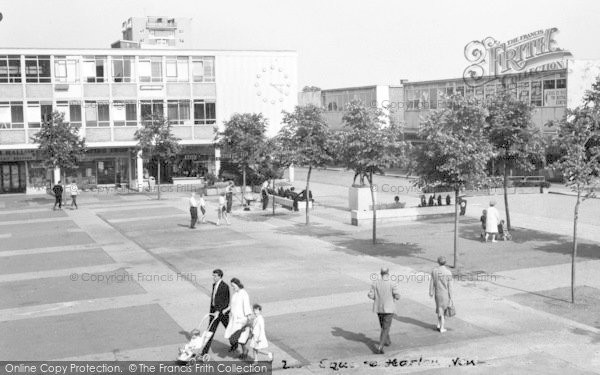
x: 415, y: 322
x: 353, y: 336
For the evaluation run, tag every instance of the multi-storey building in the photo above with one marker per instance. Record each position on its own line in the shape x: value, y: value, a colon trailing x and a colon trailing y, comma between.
x: 107, y: 93
x: 155, y: 32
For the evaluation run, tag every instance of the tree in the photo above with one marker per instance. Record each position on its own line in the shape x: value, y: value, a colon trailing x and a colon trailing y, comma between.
x: 157, y: 142
x: 578, y: 137
x: 311, y: 88
x: 367, y: 145
x: 60, y: 145
x: 244, y: 139
x: 517, y: 141
x: 303, y: 141
x: 455, y: 151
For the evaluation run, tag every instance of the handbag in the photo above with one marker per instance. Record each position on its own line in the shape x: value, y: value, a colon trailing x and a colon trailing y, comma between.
x: 450, y: 310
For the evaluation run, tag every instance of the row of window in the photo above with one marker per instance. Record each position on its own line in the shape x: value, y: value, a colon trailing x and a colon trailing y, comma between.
x: 337, y: 101
x: 101, y: 113
x: 91, y: 69
x: 548, y: 92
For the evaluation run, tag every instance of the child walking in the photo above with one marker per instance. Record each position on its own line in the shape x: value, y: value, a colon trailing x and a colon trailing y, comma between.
x: 259, y: 342
x: 202, y: 205
x: 222, y: 210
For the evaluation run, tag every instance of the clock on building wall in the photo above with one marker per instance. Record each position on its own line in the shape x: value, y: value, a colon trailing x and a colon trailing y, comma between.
x: 273, y: 84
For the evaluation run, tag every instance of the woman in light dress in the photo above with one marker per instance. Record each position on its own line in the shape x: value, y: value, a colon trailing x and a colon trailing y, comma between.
x: 491, y: 222
x: 240, y: 311
x: 440, y: 287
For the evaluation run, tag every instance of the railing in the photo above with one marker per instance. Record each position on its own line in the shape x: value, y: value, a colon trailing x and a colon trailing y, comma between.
x: 532, y: 179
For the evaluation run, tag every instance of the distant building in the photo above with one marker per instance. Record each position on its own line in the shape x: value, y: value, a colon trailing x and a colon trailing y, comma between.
x: 155, y: 33
x: 108, y: 92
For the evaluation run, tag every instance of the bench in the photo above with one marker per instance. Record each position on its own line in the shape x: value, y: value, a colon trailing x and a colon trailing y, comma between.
x: 289, y: 203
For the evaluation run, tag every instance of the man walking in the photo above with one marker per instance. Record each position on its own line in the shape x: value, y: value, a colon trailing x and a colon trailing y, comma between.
x: 58, y: 191
x: 384, y: 295
x: 193, y: 211
x: 219, y: 301
x: 74, y: 191
x: 229, y: 196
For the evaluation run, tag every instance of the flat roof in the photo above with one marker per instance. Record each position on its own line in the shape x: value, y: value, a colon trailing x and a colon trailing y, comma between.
x: 137, y: 51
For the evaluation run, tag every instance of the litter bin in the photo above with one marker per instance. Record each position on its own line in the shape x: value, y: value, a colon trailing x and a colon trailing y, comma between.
x: 151, y: 183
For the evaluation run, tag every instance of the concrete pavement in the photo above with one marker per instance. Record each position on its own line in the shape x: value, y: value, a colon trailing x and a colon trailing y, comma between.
x: 152, y: 282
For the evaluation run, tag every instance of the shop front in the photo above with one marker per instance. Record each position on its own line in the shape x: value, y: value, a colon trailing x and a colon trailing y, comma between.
x: 105, y: 167
x: 191, y: 165
x: 13, y: 170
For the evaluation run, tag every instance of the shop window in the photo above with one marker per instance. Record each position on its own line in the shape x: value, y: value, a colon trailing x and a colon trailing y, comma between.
x: 178, y: 111
x: 204, y: 113
x: 10, y: 69
x: 523, y: 92
x: 37, y: 69
x: 460, y: 90
x: 561, y: 83
x: 97, y: 114
x: 203, y: 69
x: 490, y: 90
x: 150, y: 69
x: 66, y: 69
x: 94, y: 69
x: 549, y: 84
x: 122, y: 68
x: 536, y: 93
x: 469, y: 92
x: 11, y: 115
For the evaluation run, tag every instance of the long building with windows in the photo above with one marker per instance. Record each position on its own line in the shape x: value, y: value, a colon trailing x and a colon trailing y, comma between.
x: 107, y: 93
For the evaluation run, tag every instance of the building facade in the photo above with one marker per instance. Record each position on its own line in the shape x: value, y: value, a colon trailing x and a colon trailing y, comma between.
x: 155, y: 33
x: 107, y: 93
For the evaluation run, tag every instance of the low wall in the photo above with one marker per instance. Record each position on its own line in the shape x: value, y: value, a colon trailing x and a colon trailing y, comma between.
x: 401, y: 214
x: 289, y: 203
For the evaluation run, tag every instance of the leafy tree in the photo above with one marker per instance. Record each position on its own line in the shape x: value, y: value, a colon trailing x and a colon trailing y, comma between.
x: 157, y: 142
x: 60, y: 145
x: 243, y: 138
x: 578, y: 136
x: 518, y: 142
x: 368, y: 145
x: 456, y: 150
x: 311, y: 88
x: 303, y: 141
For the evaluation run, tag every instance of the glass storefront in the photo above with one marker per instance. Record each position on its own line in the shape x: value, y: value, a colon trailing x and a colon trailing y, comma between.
x: 12, y: 177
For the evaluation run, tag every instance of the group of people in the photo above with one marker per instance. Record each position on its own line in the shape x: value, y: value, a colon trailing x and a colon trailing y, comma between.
x: 384, y: 293
x: 433, y: 201
x: 492, y: 226
x: 200, y: 203
x: 244, y: 324
x: 58, y: 191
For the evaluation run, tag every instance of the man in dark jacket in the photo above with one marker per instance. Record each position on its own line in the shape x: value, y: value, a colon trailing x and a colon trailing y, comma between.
x: 58, y: 192
x: 219, y: 301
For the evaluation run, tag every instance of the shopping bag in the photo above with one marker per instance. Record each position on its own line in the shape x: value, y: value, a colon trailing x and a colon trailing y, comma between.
x: 450, y: 310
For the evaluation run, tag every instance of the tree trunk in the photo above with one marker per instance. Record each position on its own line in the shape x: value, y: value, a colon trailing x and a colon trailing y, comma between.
x: 456, y: 207
x: 506, y: 193
x: 374, y: 208
x: 243, y: 185
x: 574, y: 255
x: 273, y: 197
x: 307, y: 193
x: 158, y: 179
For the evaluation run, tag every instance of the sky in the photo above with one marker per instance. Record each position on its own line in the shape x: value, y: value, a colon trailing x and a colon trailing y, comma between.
x: 339, y: 43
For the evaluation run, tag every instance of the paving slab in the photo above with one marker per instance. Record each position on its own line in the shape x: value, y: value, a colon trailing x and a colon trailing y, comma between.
x: 53, y: 261
x: 86, y: 333
x: 64, y: 288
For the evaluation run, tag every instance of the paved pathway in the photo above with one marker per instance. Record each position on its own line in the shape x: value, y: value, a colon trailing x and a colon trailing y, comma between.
x: 142, y: 281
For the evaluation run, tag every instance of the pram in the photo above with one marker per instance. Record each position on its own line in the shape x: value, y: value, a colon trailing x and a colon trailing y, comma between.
x: 197, y: 343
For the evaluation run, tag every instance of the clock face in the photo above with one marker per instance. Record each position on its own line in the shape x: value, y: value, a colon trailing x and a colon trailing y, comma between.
x: 273, y: 84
